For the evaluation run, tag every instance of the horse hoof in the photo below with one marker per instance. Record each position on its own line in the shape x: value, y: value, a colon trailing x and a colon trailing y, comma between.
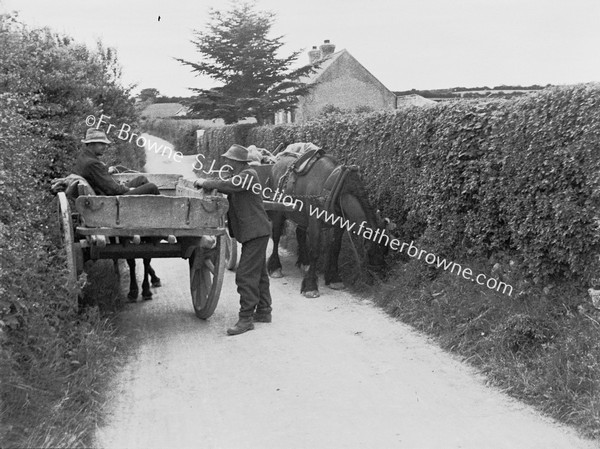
x: 277, y: 273
x: 147, y: 296
x: 156, y: 283
x: 337, y: 286
x: 132, y: 295
x: 312, y: 294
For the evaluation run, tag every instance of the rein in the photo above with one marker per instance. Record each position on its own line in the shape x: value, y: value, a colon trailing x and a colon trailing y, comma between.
x: 350, y: 235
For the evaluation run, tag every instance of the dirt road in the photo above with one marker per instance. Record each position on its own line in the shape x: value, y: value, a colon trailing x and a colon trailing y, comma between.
x: 330, y: 372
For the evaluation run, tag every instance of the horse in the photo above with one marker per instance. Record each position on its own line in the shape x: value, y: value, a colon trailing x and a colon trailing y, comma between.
x: 148, y: 270
x: 349, y: 203
x: 148, y: 273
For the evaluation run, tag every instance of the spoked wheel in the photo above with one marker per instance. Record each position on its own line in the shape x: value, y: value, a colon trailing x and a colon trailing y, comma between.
x: 65, y: 223
x: 231, y: 252
x: 207, y: 267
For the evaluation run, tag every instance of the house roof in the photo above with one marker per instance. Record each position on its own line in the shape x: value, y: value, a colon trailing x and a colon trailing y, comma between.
x: 324, y: 65
x: 164, y: 110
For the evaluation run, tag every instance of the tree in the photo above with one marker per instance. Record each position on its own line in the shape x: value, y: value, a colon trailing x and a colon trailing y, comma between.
x: 149, y: 94
x: 58, y: 83
x: 237, y: 51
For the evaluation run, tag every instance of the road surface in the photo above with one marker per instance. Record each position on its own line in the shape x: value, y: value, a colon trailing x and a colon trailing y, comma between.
x: 331, y: 372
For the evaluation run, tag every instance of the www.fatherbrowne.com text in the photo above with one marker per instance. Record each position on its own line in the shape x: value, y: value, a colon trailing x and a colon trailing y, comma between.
x: 247, y: 182
x: 379, y: 236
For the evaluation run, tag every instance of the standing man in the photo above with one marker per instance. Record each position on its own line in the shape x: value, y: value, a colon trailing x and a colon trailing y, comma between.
x: 89, y: 166
x: 249, y: 224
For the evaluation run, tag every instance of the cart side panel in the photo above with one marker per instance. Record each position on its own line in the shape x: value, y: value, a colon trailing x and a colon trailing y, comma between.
x: 151, y: 211
x: 185, y: 188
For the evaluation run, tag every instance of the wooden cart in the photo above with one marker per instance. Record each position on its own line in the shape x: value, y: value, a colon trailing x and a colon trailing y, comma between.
x: 181, y: 222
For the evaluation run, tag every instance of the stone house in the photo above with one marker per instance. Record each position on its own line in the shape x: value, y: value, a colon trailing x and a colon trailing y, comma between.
x: 340, y: 81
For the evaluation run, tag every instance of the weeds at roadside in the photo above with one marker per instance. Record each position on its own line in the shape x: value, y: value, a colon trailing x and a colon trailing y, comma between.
x: 56, y: 364
x: 539, y: 348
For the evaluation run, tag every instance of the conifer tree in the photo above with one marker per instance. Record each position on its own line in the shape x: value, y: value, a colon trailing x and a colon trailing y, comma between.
x: 236, y: 50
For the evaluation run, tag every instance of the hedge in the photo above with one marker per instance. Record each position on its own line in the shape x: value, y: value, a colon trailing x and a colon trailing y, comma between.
x: 180, y: 133
x: 217, y: 141
x: 505, y: 178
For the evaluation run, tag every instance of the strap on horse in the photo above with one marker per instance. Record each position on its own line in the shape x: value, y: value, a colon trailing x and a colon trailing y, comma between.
x: 300, y: 167
x: 334, y: 183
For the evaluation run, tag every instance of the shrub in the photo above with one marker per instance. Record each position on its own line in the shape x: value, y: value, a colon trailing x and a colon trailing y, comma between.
x: 53, y: 356
x: 180, y: 133
x: 516, y: 178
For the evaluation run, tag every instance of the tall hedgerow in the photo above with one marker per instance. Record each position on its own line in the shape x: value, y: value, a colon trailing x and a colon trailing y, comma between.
x: 60, y: 82
x: 53, y: 355
x: 514, y: 178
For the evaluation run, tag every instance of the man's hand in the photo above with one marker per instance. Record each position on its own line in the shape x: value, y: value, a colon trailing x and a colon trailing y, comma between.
x: 112, y: 170
x: 198, y: 183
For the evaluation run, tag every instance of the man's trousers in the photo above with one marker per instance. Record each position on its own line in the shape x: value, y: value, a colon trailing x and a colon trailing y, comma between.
x: 141, y: 187
x: 252, y: 278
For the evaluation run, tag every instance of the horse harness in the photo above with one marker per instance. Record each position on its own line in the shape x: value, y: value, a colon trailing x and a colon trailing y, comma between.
x: 302, y: 165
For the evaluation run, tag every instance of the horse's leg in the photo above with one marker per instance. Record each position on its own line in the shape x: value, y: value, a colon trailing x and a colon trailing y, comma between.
x: 303, y: 260
x: 133, y: 288
x: 332, y: 276
x: 146, y: 293
x: 154, y: 279
x: 274, y: 264
x: 310, y: 288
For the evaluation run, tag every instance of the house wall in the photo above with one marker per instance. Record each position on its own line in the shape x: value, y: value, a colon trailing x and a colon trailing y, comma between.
x: 345, y: 84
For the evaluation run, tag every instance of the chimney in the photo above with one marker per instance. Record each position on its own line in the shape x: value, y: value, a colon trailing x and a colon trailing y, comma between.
x: 327, y: 49
x: 314, y: 55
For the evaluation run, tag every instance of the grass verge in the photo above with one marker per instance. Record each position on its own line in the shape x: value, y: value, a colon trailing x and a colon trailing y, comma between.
x: 540, y: 347
x: 57, y: 361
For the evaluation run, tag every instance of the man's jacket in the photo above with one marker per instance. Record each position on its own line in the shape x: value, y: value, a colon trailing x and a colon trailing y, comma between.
x: 247, y: 217
x: 96, y: 173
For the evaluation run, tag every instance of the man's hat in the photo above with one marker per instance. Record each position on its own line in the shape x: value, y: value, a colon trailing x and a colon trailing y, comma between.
x: 237, y: 153
x: 95, y: 135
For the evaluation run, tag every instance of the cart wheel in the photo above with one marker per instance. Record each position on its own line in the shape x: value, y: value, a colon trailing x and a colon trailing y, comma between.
x: 207, y: 267
x: 231, y: 253
x: 68, y: 237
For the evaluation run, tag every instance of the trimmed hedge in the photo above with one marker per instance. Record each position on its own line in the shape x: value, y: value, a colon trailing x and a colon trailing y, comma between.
x: 180, y: 133
x: 217, y: 141
x: 505, y: 178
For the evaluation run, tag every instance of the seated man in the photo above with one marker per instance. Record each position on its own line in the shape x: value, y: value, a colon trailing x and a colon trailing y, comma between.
x: 96, y: 173
x: 89, y: 166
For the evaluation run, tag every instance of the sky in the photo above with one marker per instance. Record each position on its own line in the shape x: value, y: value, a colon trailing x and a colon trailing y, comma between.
x: 406, y: 44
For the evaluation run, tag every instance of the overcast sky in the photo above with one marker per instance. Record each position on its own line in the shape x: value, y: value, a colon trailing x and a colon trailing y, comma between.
x: 406, y: 44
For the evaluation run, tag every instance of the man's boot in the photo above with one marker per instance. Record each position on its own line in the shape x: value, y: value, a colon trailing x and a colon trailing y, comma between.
x: 262, y: 317
x: 243, y: 325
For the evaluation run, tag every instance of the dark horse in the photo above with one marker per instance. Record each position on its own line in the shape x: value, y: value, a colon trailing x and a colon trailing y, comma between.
x: 148, y: 273
x: 148, y: 270
x: 350, y: 203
